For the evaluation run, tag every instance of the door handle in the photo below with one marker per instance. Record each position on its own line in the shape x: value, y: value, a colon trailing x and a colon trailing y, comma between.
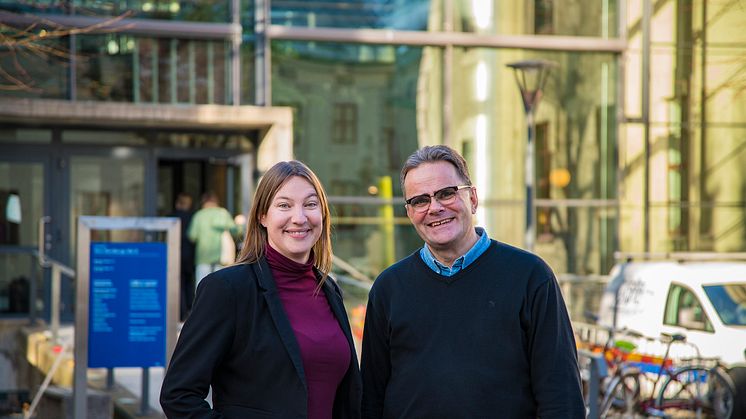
x: 42, y: 244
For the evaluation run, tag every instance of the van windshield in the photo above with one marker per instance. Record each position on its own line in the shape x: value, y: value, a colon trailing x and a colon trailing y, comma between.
x: 729, y: 302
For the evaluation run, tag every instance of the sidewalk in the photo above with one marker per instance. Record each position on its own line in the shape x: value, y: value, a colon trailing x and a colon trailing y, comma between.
x: 131, y: 379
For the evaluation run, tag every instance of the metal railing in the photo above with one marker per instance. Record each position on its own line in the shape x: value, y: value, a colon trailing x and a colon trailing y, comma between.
x: 58, y: 268
x: 47, y: 380
x: 681, y: 256
x: 360, y: 279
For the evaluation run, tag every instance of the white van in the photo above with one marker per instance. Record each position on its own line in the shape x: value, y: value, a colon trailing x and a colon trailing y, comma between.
x: 704, y: 301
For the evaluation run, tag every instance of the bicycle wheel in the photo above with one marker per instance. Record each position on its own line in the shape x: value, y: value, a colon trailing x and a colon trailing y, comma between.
x: 697, y: 392
x: 620, y: 399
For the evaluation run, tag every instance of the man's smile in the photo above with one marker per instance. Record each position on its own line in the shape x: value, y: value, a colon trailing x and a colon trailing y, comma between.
x: 440, y: 222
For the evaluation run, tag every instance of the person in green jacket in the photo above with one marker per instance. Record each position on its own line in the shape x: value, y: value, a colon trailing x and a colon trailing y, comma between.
x: 206, y: 230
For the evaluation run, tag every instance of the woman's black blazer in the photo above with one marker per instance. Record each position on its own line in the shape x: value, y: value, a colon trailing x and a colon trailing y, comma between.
x: 238, y: 340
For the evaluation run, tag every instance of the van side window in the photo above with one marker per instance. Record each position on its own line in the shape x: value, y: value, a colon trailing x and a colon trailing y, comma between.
x: 684, y: 309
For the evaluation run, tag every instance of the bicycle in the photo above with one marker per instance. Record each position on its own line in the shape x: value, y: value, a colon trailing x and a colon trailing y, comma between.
x: 623, y: 388
x: 707, y: 392
x: 620, y: 387
x: 690, y: 390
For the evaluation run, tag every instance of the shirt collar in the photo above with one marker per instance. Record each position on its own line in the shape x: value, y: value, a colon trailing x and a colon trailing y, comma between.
x: 461, y: 262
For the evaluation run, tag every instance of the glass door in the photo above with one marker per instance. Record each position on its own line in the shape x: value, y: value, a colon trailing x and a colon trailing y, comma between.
x: 102, y: 181
x: 23, y: 189
x: 193, y: 177
x: 105, y: 185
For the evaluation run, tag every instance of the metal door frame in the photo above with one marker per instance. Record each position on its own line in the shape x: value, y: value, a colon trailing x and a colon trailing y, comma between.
x: 32, y: 154
x: 245, y: 161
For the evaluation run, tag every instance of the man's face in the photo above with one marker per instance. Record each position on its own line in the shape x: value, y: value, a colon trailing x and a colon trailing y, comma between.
x: 443, y: 226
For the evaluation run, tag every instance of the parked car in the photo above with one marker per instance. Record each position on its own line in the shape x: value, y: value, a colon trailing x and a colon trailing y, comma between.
x: 705, y: 301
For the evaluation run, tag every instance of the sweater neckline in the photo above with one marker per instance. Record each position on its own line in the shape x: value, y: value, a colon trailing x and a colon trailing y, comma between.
x: 451, y: 279
x: 281, y: 263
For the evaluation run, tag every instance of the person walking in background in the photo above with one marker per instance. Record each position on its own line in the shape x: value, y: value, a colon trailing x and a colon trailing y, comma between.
x: 270, y: 334
x: 466, y: 327
x: 183, y: 210
x: 206, y: 231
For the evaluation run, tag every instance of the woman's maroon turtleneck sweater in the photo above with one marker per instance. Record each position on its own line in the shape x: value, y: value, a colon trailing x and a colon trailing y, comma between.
x: 323, y: 346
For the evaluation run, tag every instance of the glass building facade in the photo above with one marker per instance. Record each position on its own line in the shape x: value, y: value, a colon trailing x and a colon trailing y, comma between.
x: 639, y: 134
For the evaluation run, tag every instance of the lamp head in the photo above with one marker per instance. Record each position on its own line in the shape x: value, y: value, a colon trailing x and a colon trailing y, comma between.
x: 531, y: 75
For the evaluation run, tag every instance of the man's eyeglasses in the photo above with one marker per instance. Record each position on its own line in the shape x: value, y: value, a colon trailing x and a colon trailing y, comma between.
x: 447, y: 195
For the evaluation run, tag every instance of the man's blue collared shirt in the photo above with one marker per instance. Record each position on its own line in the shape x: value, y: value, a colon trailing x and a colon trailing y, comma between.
x: 462, y: 262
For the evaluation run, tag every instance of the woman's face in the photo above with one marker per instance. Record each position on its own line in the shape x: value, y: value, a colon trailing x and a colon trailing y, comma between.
x: 294, y: 219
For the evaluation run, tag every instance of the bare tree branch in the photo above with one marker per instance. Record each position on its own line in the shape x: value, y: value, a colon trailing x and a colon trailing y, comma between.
x: 39, y: 40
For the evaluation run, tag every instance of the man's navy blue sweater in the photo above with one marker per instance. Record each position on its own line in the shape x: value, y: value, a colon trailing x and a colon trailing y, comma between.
x: 492, y: 341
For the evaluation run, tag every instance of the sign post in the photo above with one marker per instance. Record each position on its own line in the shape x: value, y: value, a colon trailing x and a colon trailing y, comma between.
x: 126, y: 299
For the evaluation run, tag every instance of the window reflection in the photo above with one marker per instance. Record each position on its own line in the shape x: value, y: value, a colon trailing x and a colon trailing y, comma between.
x: 187, y: 10
x: 17, y: 270
x: 684, y: 309
x: 37, y: 6
x: 386, y: 84
x: 574, y: 159
x: 10, y: 219
x: 106, y: 187
x: 597, y: 18
x: 119, y: 67
x: 21, y: 205
x: 386, y: 101
x: 397, y: 14
x: 344, y: 123
x: 36, y: 70
x: 729, y: 302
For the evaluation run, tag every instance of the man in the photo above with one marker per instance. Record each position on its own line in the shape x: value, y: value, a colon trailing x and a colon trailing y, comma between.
x: 183, y: 210
x: 466, y: 327
x: 206, y: 231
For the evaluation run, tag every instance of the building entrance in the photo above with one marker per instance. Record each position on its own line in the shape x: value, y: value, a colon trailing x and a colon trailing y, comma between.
x: 76, y: 173
x: 194, y: 177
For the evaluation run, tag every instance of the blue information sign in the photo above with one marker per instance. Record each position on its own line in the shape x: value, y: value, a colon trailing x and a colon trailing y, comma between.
x: 127, y: 305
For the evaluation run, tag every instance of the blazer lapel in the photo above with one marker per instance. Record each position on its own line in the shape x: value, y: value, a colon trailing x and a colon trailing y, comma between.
x: 280, y: 319
x: 335, y: 302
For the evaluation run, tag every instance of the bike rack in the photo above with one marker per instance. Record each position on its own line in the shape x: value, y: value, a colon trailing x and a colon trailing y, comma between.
x: 597, y: 367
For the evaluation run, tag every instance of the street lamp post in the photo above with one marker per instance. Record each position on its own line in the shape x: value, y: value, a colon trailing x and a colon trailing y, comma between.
x: 531, y: 75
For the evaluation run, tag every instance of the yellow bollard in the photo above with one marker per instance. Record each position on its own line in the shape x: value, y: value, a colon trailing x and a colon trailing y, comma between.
x: 386, y: 215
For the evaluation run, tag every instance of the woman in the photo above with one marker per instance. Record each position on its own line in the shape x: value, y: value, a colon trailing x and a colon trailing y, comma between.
x: 270, y: 334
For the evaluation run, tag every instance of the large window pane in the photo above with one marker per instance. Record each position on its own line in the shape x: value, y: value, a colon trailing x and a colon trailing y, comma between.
x: 105, y: 67
x: 578, y: 240
x: 17, y: 272
x: 575, y: 142
x: 368, y: 239
x: 168, y: 139
x: 596, y: 18
x: 21, y: 207
x: 32, y: 67
x: 714, y: 226
x: 187, y: 10
x: 107, y: 187
x: 119, y: 67
x: 696, y: 141
x: 248, y: 83
x: 35, y: 7
x: 357, y: 14
x: 25, y: 135
x: 696, y: 202
x: 368, y: 105
x: 360, y: 110
x: 21, y: 203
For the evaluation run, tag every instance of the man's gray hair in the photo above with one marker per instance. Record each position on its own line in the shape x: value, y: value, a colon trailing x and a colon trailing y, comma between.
x: 433, y: 154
